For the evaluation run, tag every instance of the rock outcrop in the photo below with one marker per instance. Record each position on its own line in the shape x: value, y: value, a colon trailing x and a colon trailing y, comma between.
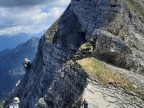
x: 66, y: 68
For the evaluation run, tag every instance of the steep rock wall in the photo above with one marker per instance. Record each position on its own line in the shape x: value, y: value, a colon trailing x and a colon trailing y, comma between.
x: 63, y: 39
x: 55, y: 48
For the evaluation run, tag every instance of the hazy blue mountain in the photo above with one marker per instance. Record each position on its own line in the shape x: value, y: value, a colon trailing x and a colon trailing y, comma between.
x: 11, y: 64
x: 11, y: 41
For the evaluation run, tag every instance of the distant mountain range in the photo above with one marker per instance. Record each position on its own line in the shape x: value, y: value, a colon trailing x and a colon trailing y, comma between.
x: 11, y: 64
x: 11, y: 41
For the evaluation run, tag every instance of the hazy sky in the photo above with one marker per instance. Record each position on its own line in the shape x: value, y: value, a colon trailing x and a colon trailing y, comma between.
x: 29, y: 16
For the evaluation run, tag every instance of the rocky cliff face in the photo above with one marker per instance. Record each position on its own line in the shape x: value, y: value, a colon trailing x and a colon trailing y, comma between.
x: 66, y: 68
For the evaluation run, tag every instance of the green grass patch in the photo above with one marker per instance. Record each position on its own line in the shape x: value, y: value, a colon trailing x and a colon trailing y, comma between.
x: 51, y: 32
x: 87, y: 46
x: 136, y: 6
x: 99, y: 71
x: 86, y: 49
x: 1, y: 104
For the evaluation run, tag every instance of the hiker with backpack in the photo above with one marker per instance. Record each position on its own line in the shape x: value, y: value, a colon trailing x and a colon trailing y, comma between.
x: 15, y: 103
x: 85, y: 104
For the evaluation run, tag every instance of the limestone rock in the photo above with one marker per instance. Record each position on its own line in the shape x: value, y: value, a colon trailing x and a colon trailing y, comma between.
x: 113, y: 50
x: 106, y: 29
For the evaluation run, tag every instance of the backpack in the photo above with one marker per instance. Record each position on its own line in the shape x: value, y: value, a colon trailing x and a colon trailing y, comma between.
x: 85, y: 103
x: 10, y: 105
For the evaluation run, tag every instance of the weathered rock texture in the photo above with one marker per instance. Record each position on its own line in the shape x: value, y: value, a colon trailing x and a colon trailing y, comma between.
x: 110, y: 31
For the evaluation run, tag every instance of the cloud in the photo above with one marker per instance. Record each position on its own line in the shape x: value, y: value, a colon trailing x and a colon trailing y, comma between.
x: 19, y: 3
x: 56, y: 12
x: 20, y: 28
x: 29, y: 15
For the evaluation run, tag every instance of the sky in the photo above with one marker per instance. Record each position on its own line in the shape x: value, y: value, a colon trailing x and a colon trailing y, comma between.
x: 29, y: 16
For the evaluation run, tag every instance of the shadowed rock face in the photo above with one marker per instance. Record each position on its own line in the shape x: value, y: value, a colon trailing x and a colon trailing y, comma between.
x: 96, y: 14
x: 53, y: 79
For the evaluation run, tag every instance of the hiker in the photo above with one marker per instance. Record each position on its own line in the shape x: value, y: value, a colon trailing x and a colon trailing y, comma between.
x: 15, y: 103
x: 81, y: 103
x: 27, y: 63
x: 85, y: 104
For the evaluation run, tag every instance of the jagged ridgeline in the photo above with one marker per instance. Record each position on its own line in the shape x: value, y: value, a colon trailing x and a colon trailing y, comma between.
x: 95, y: 50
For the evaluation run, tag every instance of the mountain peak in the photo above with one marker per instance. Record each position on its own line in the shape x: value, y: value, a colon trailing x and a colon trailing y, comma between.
x: 96, y: 46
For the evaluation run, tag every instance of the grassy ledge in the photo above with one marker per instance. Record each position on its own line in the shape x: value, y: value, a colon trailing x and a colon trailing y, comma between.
x: 99, y: 71
x: 86, y: 49
x: 1, y: 104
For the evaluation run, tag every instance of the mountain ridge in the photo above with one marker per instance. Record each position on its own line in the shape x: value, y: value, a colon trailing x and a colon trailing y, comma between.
x: 12, y: 40
x: 94, y: 30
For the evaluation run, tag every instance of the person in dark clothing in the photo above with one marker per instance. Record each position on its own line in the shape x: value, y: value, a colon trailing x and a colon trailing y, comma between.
x: 85, y: 104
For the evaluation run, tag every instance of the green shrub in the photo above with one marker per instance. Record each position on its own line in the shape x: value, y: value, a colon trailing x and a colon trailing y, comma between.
x: 1, y: 104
